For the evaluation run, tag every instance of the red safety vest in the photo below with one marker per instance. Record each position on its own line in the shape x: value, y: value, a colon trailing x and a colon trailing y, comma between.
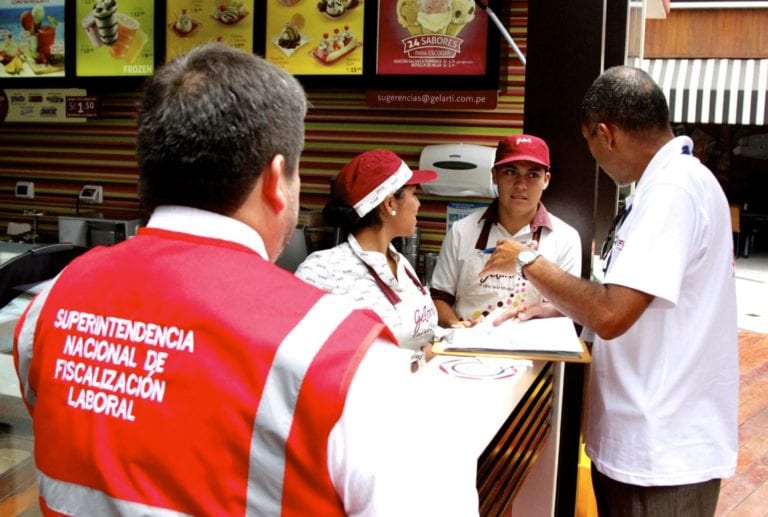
x: 182, y: 373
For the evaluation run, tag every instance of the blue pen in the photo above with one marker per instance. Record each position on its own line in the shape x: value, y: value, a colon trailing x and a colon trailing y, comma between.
x: 488, y: 251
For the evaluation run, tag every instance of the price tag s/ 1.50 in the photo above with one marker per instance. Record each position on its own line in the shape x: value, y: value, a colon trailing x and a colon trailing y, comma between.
x: 83, y: 107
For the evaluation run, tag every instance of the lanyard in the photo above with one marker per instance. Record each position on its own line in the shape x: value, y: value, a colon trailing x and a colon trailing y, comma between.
x: 482, y: 240
x: 607, y: 248
x: 391, y: 296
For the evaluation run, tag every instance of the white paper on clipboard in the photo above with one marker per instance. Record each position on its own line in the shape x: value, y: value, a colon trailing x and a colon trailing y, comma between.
x: 549, y: 335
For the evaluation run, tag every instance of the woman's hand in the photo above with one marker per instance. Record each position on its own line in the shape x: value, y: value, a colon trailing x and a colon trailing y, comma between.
x: 467, y: 323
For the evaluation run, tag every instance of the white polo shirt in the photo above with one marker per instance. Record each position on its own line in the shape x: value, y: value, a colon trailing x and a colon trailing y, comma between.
x: 664, y: 395
x: 459, y: 262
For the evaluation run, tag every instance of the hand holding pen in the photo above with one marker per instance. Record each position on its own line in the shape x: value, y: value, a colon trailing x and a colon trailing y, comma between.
x: 504, y: 256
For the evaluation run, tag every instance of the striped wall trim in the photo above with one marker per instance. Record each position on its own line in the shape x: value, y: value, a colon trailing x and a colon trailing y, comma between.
x: 714, y: 91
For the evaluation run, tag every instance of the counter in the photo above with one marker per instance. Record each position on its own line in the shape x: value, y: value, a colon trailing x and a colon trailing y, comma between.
x: 507, y: 413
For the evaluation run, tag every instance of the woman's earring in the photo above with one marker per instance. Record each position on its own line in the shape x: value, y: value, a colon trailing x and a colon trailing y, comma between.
x: 393, y: 212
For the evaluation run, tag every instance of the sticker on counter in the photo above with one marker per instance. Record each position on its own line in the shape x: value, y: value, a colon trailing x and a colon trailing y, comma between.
x: 476, y: 368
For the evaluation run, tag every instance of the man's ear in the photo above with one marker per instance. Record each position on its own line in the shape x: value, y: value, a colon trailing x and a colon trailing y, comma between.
x: 271, y: 182
x: 606, y: 133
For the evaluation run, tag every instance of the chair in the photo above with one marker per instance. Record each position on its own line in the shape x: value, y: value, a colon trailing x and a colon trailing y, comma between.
x: 295, y: 251
x: 33, y: 266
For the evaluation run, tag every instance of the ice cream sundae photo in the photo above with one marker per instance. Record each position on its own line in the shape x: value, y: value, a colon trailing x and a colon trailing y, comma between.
x: 184, y: 24
x: 290, y: 37
x: 337, y: 8
x: 333, y: 47
x: 229, y: 14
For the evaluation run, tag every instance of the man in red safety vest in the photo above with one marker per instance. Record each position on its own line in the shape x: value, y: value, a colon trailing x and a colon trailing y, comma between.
x: 181, y: 372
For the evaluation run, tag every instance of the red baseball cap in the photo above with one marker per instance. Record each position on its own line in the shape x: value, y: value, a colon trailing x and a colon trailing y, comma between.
x: 370, y: 177
x: 522, y: 147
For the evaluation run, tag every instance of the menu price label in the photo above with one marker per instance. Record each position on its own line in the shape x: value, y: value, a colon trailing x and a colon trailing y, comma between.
x: 83, y: 106
x: 47, y: 105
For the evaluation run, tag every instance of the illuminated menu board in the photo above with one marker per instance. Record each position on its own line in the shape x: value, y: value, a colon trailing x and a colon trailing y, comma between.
x: 115, y: 38
x: 431, y: 37
x: 32, y: 38
x: 190, y: 23
x: 323, y: 37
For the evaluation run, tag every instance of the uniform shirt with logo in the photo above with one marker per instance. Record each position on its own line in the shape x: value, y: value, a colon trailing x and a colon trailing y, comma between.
x: 358, y: 275
x: 455, y: 278
x: 664, y: 395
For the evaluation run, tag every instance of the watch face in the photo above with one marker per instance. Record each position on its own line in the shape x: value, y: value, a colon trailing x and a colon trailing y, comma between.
x: 527, y: 256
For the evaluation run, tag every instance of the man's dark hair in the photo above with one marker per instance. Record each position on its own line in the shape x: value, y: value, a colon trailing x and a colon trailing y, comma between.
x: 627, y: 97
x: 209, y: 121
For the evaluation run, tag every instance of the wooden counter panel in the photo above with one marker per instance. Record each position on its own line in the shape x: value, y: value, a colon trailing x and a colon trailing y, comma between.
x: 505, y: 462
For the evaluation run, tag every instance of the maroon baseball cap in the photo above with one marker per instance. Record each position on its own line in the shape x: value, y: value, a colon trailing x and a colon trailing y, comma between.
x: 370, y: 177
x: 522, y: 147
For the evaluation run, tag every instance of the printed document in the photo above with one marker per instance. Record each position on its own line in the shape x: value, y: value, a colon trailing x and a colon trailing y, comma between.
x: 550, y: 335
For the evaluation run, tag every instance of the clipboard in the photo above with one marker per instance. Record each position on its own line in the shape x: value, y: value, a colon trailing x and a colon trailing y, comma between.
x: 438, y: 348
x: 550, y: 339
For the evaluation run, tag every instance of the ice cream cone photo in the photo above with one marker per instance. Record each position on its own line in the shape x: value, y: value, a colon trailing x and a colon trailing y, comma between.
x: 453, y: 29
x: 434, y: 15
x: 462, y: 12
x: 407, y: 11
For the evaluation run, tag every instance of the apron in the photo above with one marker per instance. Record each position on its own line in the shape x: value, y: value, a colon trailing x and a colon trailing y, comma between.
x: 417, y: 313
x: 477, y: 297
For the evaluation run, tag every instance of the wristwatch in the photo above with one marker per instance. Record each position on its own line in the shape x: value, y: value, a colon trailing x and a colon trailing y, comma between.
x: 524, y: 258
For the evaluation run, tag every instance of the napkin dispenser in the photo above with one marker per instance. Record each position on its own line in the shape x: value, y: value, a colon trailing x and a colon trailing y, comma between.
x: 462, y: 169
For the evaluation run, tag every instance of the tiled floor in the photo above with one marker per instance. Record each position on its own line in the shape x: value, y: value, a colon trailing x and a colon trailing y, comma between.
x: 746, y: 493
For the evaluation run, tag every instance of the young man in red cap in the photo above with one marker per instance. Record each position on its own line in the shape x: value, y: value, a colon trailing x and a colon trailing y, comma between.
x: 521, y: 173
x: 374, y: 202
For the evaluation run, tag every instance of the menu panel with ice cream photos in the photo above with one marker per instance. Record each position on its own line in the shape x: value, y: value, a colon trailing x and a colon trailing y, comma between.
x: 190, y: 23
x: 32, y: 38
x: 115, y: 38
x: 431, y: 37
x: 316, y: 37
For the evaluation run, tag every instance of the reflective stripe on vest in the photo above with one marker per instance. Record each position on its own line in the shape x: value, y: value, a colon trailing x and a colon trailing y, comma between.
x: 23, y: 349
x: 81, y: 500
x: 278, y: 403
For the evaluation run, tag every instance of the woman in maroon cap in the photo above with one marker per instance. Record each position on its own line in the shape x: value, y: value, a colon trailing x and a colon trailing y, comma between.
x: 375, y: 201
